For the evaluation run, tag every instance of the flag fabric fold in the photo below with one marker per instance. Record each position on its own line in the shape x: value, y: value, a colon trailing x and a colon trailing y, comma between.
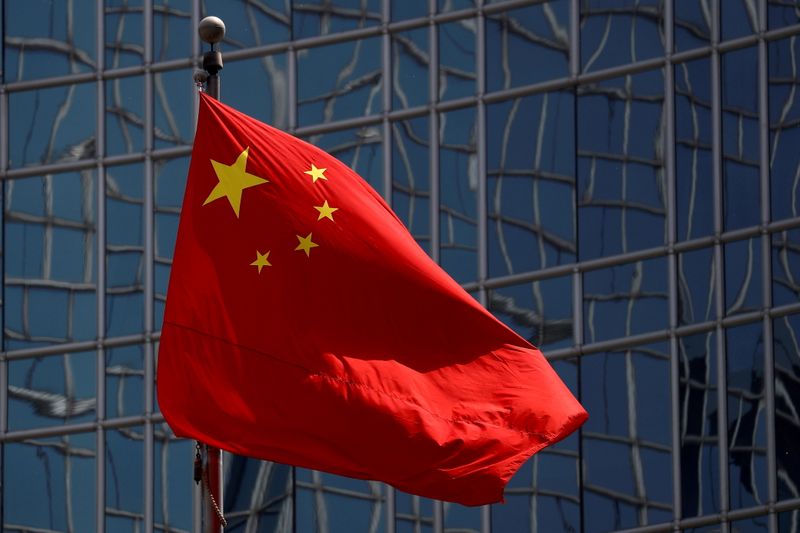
x: 305, y: 325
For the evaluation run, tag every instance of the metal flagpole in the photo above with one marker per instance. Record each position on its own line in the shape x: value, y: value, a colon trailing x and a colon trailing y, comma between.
x: 212, y: 30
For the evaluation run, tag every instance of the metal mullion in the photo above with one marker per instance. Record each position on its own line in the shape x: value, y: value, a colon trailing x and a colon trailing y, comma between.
x: 766, y: 262
x: 483, y: 260
x: 672, y: 258
x: 574, y: 39
x: 433, y: 130
x: 719, y: 295
x: 4, y: 139
x: 100, y: 235
x: 577, y: 339
x: 147, y: 259
x: 386, y: 74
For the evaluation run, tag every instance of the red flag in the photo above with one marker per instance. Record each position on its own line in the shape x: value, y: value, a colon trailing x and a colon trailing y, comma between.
x: 304, y: 325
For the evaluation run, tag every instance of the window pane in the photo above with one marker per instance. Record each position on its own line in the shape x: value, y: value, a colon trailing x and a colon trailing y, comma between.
x: 410, y: 62
x: 458, y: 194
x: 124, y: 249
x: 696, y: 274
x: 45, y: 38
x: 256, y: 23
x: 50, y: 259
x: 627, y: 460
x: 739, y: 18
x: 124, y: 479
x: 124, y: 31
x: 621, y: 195
x: 785, y: 267
x: 52, y: 390
x: 260, y: 88
x: 321, y: 17
x: 125, y: 118
x: 743, y: 280
x: 784, y: 125
x: 258, y: 495
x: 698, y: 424
x: 58, y: 492
x: 172, y: 29
x: 625, y: 300
x: 619, y: 31
x: 747, y: 439
x: 692, y: 24
x: 786, y: 349
x: 528, y: 45
x: 740, y: 139
x: 52, y: 125
x: 540, y: 311
x: 411, y: 189
x: 339, y: 81
x: 693, y: 153
x: 531, y: 184
x: 124, y: 381
x: 457, y: 73
x: 338, y: 504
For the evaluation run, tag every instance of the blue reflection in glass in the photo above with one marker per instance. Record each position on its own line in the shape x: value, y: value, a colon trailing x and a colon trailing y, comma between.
x: 692, y: 24
x: 457, y: 59
x: 738, y: 18
x: 264, y: 22
x: 740, y: 139
x: 747, y: 441
x: 53, y: 484
x: 698, y: 424
x: 268, y: 76
x: 410, y: 62
x: 786, y: 349
x: 785, y: 267
x: 784, y: 125
x: 783, y: 13
x: 410, y: 177
x: 124, y: 33
x: 743, y: 284
x: 124, y: 468
x: 172, y: 29
x: 252, y: 484
x: 696, y: 286
x: 321, y: 17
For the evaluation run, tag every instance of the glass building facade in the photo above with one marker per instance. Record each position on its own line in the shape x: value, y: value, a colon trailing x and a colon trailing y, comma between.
x: 617, y: 180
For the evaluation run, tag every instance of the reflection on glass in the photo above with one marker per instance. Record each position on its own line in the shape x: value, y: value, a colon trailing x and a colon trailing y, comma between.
x: 696, y: 274
x: 786, y: 348
x: 698, y: 424
x: 321, y: 17
x: 785, y: 267
x: 739, y: 18
x: 627, y: 463
x: 50, y: 259
x: 740, y: 141
x: 256, y: 23
x: 267, y: 74
x: 784, y: 126
x: 457, y: 59
x: 692, y: 24
x: 172, y: 494
x: 540, y: 312
x: 124, y: 479
x: 124, y: 381
x: 341, y: 503
x: 262, y: 486
x: 124, y: 249
x: 172, y: 29
x: 339, y: 81
x: 747, y: 440
x: 53, y: 484
x: 44, y: 38
x: 621, y: 189
x: 693, y: 153
x: 360, y: 149
x: 783, y: 13
x: 743, y: 278
x: 411, y: 189
x: 170, y: 182
x: 47, y: 391
x: 544, y: 494
x: 458, y: 194
x: 789, y: 521
x: 625, y: 300
x: 528, y: 45
x: 620, y: 31
x: 409, y: 9
x: 124, y: 33
x: 52, y: 125
x: 124, y: 115
x: 174, y: 103
x: 410, y: 60
x: 531, y: 184
x: 757, y: 524
x: 413, y: 514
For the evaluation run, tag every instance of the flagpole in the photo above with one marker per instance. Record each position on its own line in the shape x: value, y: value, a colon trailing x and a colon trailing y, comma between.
x: 212, y: 30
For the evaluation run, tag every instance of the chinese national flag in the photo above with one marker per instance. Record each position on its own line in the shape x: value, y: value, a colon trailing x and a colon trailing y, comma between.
x: 304, y: 325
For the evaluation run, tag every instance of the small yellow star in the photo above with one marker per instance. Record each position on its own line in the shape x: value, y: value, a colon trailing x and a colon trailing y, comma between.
x: 316, y: 173
x: 306, y: 244
x: 325, y: 211
x: 261, y: 261
x: 233, y: 179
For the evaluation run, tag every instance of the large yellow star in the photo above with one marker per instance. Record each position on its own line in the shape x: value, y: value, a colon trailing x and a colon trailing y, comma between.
x: 316, y: 173
x: 233, y: 179
x: 261, y: 261
x: 325, y: 211
x: 306, y: 244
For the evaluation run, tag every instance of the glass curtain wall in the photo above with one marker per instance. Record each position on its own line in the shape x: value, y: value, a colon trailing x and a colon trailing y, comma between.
x: 616, y: 180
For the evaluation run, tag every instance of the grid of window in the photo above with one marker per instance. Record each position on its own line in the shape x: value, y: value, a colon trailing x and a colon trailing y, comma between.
x: 618, y: 181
